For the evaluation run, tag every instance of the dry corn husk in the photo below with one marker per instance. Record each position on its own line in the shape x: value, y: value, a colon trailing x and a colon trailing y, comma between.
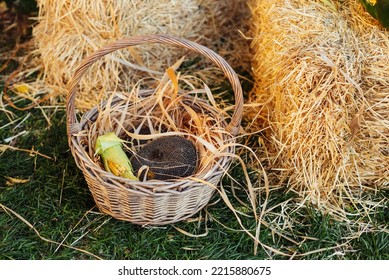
x: 321, y: 95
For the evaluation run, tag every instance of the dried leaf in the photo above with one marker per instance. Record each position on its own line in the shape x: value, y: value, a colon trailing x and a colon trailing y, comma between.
x: 12, y: 181
x: 173, y: 78
x: 355, y: 123
x: 21, y: 88
x: 3, y: 7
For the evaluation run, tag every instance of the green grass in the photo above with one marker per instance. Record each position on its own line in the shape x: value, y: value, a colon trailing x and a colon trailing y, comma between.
x: 54, y: 206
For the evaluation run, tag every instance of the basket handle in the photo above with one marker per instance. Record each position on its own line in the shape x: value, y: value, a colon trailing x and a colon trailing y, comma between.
x: 232, y: 127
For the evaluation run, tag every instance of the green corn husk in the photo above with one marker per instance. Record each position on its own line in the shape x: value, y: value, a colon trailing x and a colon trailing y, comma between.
x: 115, y: 160
x: 379, y: 9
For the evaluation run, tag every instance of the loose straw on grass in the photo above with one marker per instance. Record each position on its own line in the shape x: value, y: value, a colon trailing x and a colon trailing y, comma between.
x: 31, y: 152
x: 8, y: 211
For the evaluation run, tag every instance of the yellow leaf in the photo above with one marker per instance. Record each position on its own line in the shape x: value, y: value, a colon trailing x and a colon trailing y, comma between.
x: 3, y: 6
x: 21, y: 88
x: 12, y: 181
x: 174, y: 80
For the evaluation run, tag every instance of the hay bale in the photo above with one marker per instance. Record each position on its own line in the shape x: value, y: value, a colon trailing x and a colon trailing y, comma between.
x: 321, y: 95
x: 68, y: 31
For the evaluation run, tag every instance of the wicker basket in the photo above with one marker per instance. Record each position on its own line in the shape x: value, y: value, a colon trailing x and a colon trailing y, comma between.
x: 150, y: 202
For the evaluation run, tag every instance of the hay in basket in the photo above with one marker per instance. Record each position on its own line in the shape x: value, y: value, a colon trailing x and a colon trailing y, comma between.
x: 321, y: 97
x: 173, y: 107
x: 68, y: 31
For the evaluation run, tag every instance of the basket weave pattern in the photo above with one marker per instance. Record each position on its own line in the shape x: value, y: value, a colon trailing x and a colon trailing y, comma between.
x: 149, y: 202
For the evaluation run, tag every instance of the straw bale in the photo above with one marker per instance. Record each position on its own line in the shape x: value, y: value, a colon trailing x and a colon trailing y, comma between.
x: 69, y: 31
x: 321, y: 95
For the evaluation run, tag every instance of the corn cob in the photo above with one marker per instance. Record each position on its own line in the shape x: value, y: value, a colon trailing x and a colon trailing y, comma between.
x: 115, y: 160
